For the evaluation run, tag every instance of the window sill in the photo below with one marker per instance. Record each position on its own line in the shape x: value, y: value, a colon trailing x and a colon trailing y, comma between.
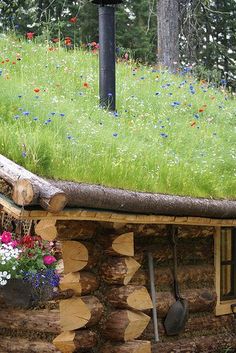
x: 224, y: 308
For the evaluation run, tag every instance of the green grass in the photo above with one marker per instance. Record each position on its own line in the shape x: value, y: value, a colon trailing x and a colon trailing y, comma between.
x: 150, y: 146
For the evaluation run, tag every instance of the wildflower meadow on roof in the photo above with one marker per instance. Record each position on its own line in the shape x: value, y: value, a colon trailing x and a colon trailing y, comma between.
x: 171, y: 133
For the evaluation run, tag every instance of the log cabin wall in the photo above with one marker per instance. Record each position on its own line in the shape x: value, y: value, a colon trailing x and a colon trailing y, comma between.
x: 123, y: 277
x: 106, y: 307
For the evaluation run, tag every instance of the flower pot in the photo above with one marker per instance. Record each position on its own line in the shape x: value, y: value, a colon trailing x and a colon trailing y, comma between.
x: 21, y: 294
x: 17, y: 293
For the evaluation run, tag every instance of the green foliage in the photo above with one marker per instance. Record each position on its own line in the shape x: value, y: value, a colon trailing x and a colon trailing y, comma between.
x: 171, y: 133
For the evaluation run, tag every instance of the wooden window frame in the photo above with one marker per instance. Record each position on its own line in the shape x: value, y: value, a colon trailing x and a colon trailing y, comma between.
x: 223, y: 307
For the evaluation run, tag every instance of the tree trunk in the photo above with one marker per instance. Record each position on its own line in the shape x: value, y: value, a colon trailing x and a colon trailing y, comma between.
x: 119, y: 270
x: 168, y: 33
x: 76, y: 313
x: 200, y: 300
x: 81, y: 282
x: 207, y: 323
x: 125, y: 325
x: 186, y: 275
x: 131, y: 297
x: 72, y: 230
x: 30, y: 320
x: 69, y: 341
x: 200, y: 344
x: 22, y: 345
x: 118, y: 245
x: 29, y: 189
x: 78, y: 255
x: 101, y: 197
x: 128, y: 347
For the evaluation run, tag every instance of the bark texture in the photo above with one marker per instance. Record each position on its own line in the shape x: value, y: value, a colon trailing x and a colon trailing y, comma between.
x: 128, y: 347
x: 100, y: 197
x: 168, y: 33
x: 81, y: 340
x: 22, y: 345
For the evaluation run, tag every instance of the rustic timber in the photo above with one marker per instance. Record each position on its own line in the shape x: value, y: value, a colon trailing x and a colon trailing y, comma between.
x: 41, y: 320
x: 78, y: 255
x: 29, y: 189
x: 127, y: 347
x: 187, y: 274
x: 81, y: 230
x: 46, y: 229
x: 196, y: 325
x: 199, y: 344
x: 130, y: 296
x: 81, y: 282
x: 80, y: 340
x: 119, y: 270
x: 125, y: 325
x: 199, y: 300
x: 23, y: 345
x: 105, y: 216
x: 77, y: 312
x: 100, y: 197
x: 118, y: 245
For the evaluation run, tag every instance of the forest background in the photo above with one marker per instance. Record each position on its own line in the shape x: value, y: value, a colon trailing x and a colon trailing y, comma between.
x: 207, y: 39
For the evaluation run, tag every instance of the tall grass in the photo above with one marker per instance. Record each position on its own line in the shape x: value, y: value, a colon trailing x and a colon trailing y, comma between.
x: 171, y: 133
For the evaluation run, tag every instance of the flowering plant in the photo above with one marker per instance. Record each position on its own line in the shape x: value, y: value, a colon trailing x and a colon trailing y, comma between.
x: 28, y: 258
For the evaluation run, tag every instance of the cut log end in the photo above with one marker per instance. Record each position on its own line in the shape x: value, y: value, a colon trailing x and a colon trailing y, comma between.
x: 55, y: 203
x: 24, y: 193
x: 65, y: 342
x: 46, y: 229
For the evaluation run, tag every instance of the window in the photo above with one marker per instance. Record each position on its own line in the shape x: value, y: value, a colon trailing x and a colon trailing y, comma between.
x: 225, y: 266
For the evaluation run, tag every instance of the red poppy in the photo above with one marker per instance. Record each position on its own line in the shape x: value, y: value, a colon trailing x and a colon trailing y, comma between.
x: 7, y: 60
x: 36, y: 90
x: 193, y: 123
x: 13, y: 63
x: 67, y: 41
x: 55, y: 40
x: 86, y: 85
x: 93, y: 44
x: 73, y: 20
x: 3, y: 62
x: 201, y: 110
x: 30, y: 35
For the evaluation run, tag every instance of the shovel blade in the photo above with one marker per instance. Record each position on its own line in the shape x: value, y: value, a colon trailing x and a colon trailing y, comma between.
x: 176, y: 317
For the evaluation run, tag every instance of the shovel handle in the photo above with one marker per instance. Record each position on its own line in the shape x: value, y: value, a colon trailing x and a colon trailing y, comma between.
x: 153, y: 296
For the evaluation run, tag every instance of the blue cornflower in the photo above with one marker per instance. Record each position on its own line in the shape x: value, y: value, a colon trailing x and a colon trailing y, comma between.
x: 62, y: 114
x: 69, y: 137
x: 115, y: 134
x: 19, y: 96
x: 157, y: 93
x: 35, y: 118
x: 25, y: 113
x: 23, y: 154
x: 196, y: 116
x: 116, y: 114
x: 52, y: 113
x: 16, y: 117
x: 110, y: 94
x: 175, y: 104
x: 164, y: 135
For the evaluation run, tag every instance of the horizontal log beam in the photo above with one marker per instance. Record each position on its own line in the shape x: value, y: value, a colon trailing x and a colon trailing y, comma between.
x: 127, y: 347
x: 23, y: 345
x: 30, y: 320
x: 100, y: 197
x: 196, y: 325
x: 29, y: 189
x: 206, y: 344
x: 79, y: 341
x: 199, y: 300
x: 186, y: 274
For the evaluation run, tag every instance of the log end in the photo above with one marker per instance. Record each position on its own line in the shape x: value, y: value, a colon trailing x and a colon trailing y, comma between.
x: 24, y: 193
x: 65, y: 342
x: 55, y: 203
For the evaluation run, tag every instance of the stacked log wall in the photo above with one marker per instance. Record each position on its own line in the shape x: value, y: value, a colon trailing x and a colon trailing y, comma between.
x: 106, y: 282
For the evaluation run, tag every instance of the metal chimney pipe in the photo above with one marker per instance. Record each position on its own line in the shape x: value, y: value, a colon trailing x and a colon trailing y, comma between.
x: 107, y: 79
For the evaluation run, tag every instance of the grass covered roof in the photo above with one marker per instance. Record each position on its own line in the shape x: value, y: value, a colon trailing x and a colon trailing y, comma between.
x: 171, y: 134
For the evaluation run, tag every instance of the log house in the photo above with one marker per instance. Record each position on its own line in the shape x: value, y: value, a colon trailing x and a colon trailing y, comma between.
x: 105, y: 303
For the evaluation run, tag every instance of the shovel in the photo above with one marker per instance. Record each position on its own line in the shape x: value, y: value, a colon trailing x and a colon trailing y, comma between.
x: 177, y: 315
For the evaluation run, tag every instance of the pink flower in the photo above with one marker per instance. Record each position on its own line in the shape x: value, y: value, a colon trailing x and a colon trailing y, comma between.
x: 48, y: 260
x: 14, y: 243
x: 6, y: 237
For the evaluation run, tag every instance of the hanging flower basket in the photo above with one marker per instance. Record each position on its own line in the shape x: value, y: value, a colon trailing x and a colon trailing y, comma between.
x: 27, y: 270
